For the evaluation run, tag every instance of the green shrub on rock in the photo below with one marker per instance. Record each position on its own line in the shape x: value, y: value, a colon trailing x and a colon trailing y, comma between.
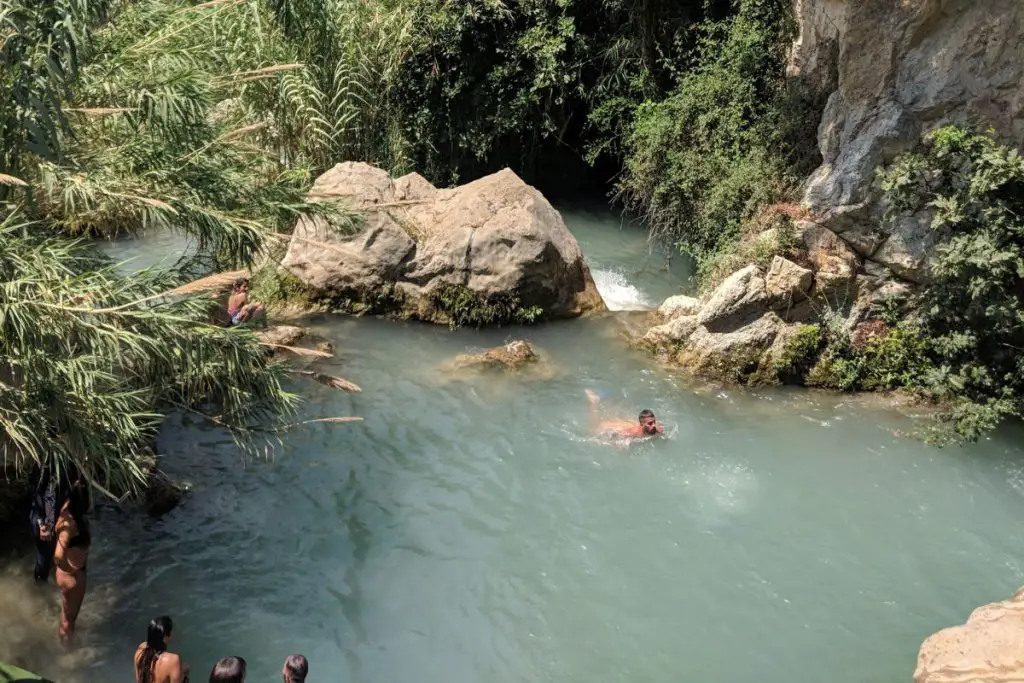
x: 800, y: 353
x: 972, y: 316
x: 466, y: 308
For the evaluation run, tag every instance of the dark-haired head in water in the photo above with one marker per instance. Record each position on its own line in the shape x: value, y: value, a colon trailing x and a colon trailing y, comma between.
x: 296, y: 668
x: 649, y: 423
x: 228, y: 670
x: 646, y: 425
x: 153, y: 663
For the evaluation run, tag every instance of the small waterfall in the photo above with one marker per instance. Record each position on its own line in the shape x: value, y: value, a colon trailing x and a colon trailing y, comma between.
x: 618, y: 292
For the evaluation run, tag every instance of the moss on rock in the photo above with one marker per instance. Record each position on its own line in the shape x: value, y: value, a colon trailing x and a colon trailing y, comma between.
x: 465, y: 308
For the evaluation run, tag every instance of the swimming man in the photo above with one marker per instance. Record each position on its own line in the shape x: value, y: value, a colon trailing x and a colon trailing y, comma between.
x: 647, y: 424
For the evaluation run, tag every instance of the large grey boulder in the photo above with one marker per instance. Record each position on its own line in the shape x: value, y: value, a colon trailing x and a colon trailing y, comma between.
x: 901, y: 69
x: 741, y: 297
x: 909, y: 252
x: 494, y: 239
x: 732, y: 356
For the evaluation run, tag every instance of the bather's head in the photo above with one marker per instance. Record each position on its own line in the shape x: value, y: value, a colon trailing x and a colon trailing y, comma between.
x: 296, y: 668
x: 228, y: 670
x: 241, y: 284
x: 159, y: 633
x: 649, y: 423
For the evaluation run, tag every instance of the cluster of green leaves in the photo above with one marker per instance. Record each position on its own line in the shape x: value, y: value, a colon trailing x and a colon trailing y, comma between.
x: 895, y: 358
x: 774, y: 235
x: 118, y: 117
x: 534, y: 83
x: 343, y: 104
x: 91, y: 360
x: 704, y: 160
x: 799, y: 355
x: 973, y: 313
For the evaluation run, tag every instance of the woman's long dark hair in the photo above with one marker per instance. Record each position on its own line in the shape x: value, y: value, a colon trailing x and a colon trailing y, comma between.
x: 228, y: 670
x: 159, y: 629
x: 78, y: 506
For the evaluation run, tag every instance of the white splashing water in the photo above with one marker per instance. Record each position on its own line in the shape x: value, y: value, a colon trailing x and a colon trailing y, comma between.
x: 618, y: 292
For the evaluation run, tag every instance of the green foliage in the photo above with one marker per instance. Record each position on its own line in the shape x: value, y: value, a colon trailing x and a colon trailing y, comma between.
x: 775, y: 237
x: 973, y: 314
x: 466, y: 308
x: 704, y: 160
x: 91, y: 360
x: 344, y: 105
x: 895, y: 358
x: 120, y: 117
x: 800, y: 353
x: 40, y: 54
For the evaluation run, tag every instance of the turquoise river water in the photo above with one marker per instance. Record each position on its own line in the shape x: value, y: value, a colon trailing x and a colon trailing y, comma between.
x: 470, y: 531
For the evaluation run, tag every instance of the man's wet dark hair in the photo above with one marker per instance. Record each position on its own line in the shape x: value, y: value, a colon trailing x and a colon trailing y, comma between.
x: 646, y: 413
x: 228, y: 670
x: 297, y: 667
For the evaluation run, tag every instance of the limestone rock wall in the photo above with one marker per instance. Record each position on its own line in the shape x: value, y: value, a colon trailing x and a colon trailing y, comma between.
x: 901, y: 69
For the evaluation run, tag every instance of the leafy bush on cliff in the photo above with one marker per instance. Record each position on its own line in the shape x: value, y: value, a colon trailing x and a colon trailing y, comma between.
x: 963, y: 343
x: 973, y: 314
x: 708, y: 157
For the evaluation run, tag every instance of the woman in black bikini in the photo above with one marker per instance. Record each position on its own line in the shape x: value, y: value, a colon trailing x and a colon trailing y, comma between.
x: 153, y: 663
x: 71, y: 555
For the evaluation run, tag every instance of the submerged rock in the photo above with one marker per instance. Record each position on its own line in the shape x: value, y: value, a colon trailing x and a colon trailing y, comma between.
x: 517, y: 356
x: 987, y: 649
x: 510, y: 356
x: 282, y: 335
x: 493, y: 251
x: 163, y: 494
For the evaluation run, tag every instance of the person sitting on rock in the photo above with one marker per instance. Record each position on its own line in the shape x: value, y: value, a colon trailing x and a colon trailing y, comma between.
x: 240, y: 309
x: 647, y: 424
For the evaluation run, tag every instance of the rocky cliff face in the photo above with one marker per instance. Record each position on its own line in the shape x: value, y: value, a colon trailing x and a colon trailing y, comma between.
x: 895, y: 70
x: 901, y: 69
